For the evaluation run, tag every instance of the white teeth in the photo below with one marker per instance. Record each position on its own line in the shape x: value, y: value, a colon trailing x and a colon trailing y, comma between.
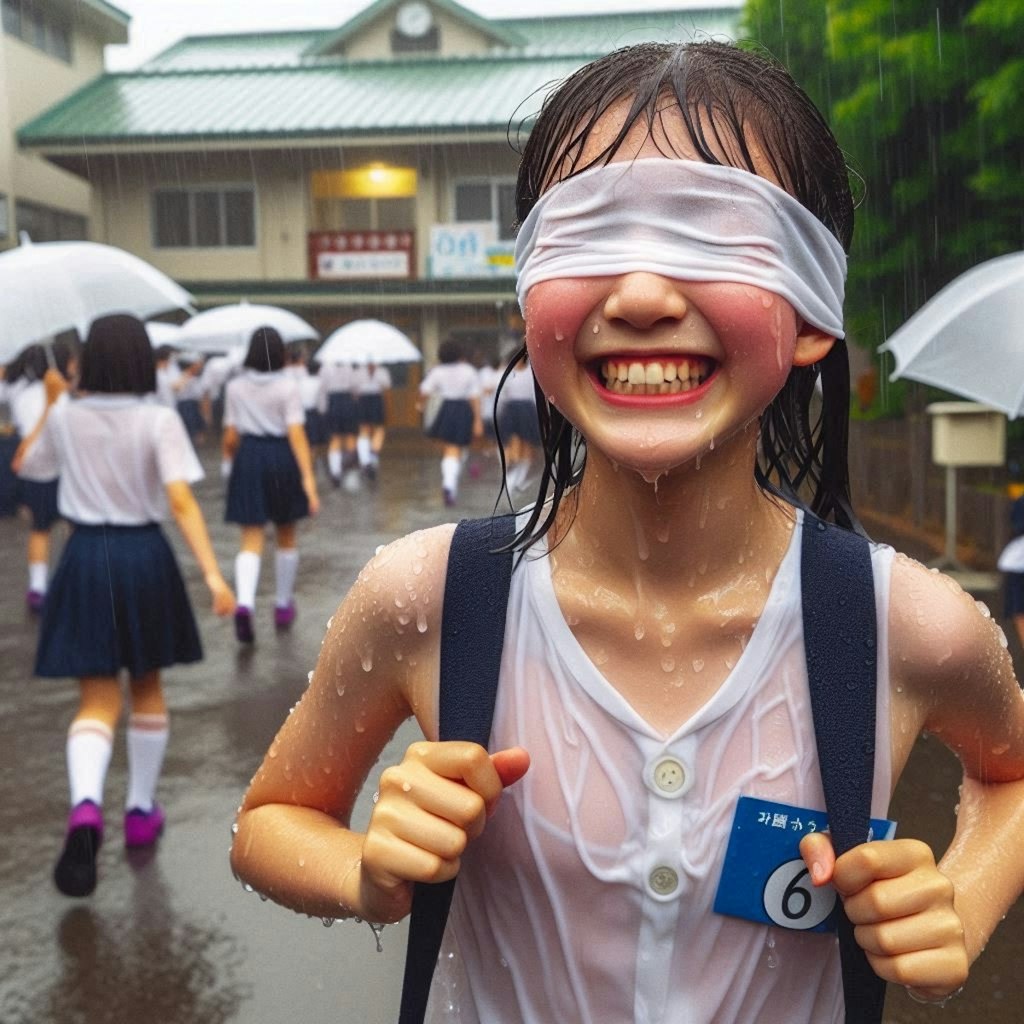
x: 657, y: 377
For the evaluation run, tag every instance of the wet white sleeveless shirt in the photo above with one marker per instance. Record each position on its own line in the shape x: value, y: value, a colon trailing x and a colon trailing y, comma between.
x: 561, y: 914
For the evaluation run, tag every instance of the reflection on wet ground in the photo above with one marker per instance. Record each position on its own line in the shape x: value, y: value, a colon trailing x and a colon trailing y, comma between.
x: 172, y: 938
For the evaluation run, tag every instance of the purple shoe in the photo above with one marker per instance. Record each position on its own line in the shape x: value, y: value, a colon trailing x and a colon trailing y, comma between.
x: 75, y: 871
x: 284, y: 617
x: 34, y: 601
x: 143, y: 828
x: 243, y: 625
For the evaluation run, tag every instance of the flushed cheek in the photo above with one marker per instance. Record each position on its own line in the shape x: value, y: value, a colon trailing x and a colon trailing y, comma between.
x: 555, y: 310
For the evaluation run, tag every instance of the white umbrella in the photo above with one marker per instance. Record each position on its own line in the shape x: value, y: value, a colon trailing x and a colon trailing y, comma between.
x: 229, y: 327
x: 163, y: 334
x: 368, y: 341
x: 969, y: 338
x: 49, y: 287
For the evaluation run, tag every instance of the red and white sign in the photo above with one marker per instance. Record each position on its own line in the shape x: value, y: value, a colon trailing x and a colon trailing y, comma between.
x: 349, y: 255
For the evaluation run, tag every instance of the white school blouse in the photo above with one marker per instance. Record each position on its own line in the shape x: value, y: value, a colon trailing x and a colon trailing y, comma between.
x: 309, y: 385
x: 518, y: 388
x: 265, y: 404
x: 115, y: 454
x: 28, y: 402
x: 366, y: 383
x: 166, y: 378
x: 587, y: 900
x: 489, y: 377
x: 452, y: 382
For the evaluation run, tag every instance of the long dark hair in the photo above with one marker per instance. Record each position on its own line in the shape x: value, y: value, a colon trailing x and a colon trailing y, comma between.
x: 732, y: 102
x: 117, y: 357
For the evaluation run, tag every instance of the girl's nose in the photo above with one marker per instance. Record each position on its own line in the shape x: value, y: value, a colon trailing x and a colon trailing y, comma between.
x: 641, y: 299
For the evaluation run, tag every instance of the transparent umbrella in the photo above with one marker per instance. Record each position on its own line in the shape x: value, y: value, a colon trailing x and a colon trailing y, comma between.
x: 969, y: 338
x: 50, y: 287
x: 163, y: 334
x: 368, y: 341
x: 229, y: 327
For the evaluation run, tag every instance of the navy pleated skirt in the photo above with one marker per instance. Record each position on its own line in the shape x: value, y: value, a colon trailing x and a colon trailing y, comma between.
x: 453, y: 423
x: 371, y: 409
x: 518, y: 418
x: 342, y: 413
x: 189, y: 411
x: 1013, y: 594
x: 265, y: 483
x: 316, y: 428
x: 9, y: 484
x: 116, y: 602
x: 40, y: 498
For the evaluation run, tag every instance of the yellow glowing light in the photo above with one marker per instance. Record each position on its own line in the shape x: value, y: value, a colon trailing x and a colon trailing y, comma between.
x: 375, y: 181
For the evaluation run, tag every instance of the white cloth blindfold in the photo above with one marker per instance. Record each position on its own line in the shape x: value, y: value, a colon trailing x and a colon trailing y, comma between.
x: 689, y: 221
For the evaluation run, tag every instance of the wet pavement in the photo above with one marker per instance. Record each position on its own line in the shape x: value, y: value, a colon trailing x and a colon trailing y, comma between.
x: 169, y: 937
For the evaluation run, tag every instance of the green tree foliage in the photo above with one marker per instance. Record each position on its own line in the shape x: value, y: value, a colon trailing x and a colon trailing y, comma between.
x: 927, y: 100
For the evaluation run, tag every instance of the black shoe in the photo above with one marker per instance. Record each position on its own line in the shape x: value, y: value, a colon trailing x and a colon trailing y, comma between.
x: 75, y: 872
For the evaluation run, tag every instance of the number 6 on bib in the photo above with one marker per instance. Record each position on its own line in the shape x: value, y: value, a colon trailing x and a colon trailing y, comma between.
x: 763, y: 877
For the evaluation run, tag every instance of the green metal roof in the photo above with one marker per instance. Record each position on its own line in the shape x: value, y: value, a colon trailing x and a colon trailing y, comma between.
x: 263, y: 86
x: 224, y: 52
x: 367, y: 99
x: 559, y: 35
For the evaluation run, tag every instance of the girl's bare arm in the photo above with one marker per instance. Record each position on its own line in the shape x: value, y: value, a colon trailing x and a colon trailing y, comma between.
x: 378, y: 664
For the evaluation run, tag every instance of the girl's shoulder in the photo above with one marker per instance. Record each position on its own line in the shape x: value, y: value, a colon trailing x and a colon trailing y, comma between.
x: 946, y: 649
x: 390, y: 621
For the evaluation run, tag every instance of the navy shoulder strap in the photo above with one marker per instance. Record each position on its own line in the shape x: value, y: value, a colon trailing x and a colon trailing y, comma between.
x: 472, y: 635
x: 840, y: 633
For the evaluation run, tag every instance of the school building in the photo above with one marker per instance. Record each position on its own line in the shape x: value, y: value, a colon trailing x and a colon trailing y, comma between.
x: 362, y: 170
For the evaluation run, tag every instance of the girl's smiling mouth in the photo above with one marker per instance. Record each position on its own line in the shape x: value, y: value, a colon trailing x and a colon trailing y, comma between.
x: 665, y: 377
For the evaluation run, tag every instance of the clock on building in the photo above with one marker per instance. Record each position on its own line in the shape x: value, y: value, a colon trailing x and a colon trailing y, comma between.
x: 414, y: 19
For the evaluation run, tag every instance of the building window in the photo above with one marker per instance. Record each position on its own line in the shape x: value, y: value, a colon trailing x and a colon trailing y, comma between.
x: 46, y: 224
x: 204, y: 218
x: 38, y: 26
x: 488, y: 199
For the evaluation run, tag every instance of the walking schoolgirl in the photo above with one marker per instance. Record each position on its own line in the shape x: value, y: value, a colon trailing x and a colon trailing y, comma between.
x: 516, y: 418
x: 341, y: 415
x: 369, y: 382
x: 27, y: 398
x: 271, y: 475
x: 685, y: 212
x: 117, y: 602
x: 457, y: 421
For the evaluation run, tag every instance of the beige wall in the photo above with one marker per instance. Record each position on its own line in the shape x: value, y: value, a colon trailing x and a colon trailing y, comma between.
x: 30, y: 82
x: 122, y: 209
x: 456, y: 38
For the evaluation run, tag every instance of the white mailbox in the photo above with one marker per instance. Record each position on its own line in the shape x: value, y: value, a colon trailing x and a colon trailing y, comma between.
x: 967, y: 434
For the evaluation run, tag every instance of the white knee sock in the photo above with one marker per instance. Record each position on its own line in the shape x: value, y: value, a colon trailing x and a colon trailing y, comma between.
x: 38, y: 574
x: 450, y: 469
x: 247, y: 577
x: 364, y: 451
x: 147, y: 741
x: 334, y: 462
x: 88, y: 752
x: 286, y: 567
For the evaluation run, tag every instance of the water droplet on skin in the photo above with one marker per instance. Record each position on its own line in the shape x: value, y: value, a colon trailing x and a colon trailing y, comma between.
x: 406, y: 787
x: 302, y: 862
x: 421, y: 620
x: 559, y: 336
x: 639, y: 631
x: 417, y: 568
x: 360, y: 725
x: 234, y: 828
x: 698, y: 414
x: 340, y: 689
x: 600, y: 656
x: 668, y: 664
x: 771, y: 959
x: 698, y: 665
x: 597, y: 328
x: 247, y: 887
x: 366, y: 660
x: 378, y: 931
x: 327, y: 921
